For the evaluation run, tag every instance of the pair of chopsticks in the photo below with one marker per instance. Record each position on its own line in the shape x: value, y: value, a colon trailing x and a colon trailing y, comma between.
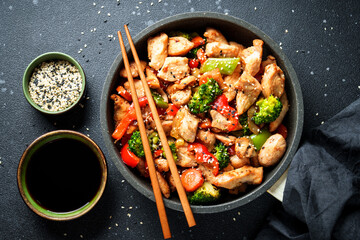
x: 148, y: 155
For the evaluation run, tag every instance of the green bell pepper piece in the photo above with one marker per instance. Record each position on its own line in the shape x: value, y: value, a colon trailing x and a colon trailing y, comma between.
x: 159, y: 101
x: 259, y: 139
x: 225, y: 65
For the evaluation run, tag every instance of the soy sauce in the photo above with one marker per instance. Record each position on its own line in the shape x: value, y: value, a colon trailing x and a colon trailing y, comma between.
x: 63, y: 175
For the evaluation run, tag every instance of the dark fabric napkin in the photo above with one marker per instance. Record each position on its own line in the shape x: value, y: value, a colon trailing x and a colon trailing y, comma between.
x: 322, y: 192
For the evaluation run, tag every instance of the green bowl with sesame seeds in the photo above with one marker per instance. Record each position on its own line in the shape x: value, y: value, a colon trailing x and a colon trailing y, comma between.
x: 54, y: 83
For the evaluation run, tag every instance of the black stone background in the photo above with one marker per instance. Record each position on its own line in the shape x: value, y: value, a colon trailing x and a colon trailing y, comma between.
x: 321, y: 39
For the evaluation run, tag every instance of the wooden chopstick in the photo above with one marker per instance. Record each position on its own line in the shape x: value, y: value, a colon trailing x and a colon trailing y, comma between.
x: 173, y: 168
x: 148, y: 155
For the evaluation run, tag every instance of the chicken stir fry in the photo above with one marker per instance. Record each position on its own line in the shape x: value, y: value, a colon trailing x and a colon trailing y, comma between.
x: 221, y: 105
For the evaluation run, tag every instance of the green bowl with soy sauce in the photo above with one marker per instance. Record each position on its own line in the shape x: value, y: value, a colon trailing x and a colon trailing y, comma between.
x: 54, y: 83
x: 62, y: 175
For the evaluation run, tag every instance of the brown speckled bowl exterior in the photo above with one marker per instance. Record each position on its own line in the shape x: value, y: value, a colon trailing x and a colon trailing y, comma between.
x: 234, y: 29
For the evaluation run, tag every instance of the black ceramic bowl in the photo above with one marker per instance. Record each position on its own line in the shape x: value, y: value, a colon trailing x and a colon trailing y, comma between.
x: 234, y: 29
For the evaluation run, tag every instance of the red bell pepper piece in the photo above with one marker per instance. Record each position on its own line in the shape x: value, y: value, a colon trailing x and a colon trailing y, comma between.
x: 203, y: 156
x: 193, y: 63
x: 124, y: 93
x: 127, y: 120
x: 128, y: 157
x: 201, y: 55
x: 158, y: 153
x: 221, y: 105
x: 231, y: 150
x: 172, y: 110
x: 198, y: 41
x: 205, y: 124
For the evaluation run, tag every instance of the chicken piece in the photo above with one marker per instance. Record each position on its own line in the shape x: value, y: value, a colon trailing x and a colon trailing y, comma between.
x: 235, y: 178
x: 207, y: 173
x: 244, y: 148
x: 249, y: 90
x: 239, y: 47
x: 228, y: 168
x: 273, y: 81
x: 140, y: 92
x: 216, y: 75
x: 121, y: 107
x: 227, y: 140
x: 272, y: 150
x: 231, y: 81
x: 239, y: 189
x: 195, y: 72
x: 269, y: 60
x: 185, y: 158
x: 161, y: 165
x: 185, y: 125
x: 132, y: 128
x: 142, y: 168
x: 157, y: 50
x: 237, y: 162
x: 219, y: 121
x: 251, y: 57
x: 150, y: 123
x: 179, y: 46
x: 254, y: 161
x: 174, y: 69
x: 163, y: 94
x: 171, y: 181
x: 187, y: 81
x: 207, y: 138
x: 181, y: 97
x: 275, y: 124
x: 164, y: 186
x: 221, y: 50
x: 213, y: 35
x: 167, y: 126
x: 133, y: 69
x: 148, y: 118
x: 151, y: 78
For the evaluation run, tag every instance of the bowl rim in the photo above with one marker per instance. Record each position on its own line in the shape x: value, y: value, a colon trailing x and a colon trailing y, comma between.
x: 32, y: 148
x: 261, y: 189
x: 47, y: 57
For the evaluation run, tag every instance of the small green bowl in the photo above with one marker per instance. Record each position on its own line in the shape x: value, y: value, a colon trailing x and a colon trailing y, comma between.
x: 47, y: 57
x: 33, y: 148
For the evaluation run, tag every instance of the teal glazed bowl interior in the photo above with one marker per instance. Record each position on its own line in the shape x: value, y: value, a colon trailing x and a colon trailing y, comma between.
x: 47, y: 57
x: 34, y: 147
x: 233, y: 29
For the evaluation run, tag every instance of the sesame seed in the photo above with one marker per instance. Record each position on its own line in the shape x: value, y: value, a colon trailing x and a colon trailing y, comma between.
x: 55, y: 85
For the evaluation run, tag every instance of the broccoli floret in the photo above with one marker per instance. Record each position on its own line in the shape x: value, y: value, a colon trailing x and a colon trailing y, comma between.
x: 205, y: 95
x: 205, y: 194
x: 193, y: 53
x: 186, y: 35
x: 135, y: 144
x: 180, y: 34
x: 269, y: 110
x: 244, y: 123
x: 173, y: 150
x: 154, y: 141
x: 222, y: 155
